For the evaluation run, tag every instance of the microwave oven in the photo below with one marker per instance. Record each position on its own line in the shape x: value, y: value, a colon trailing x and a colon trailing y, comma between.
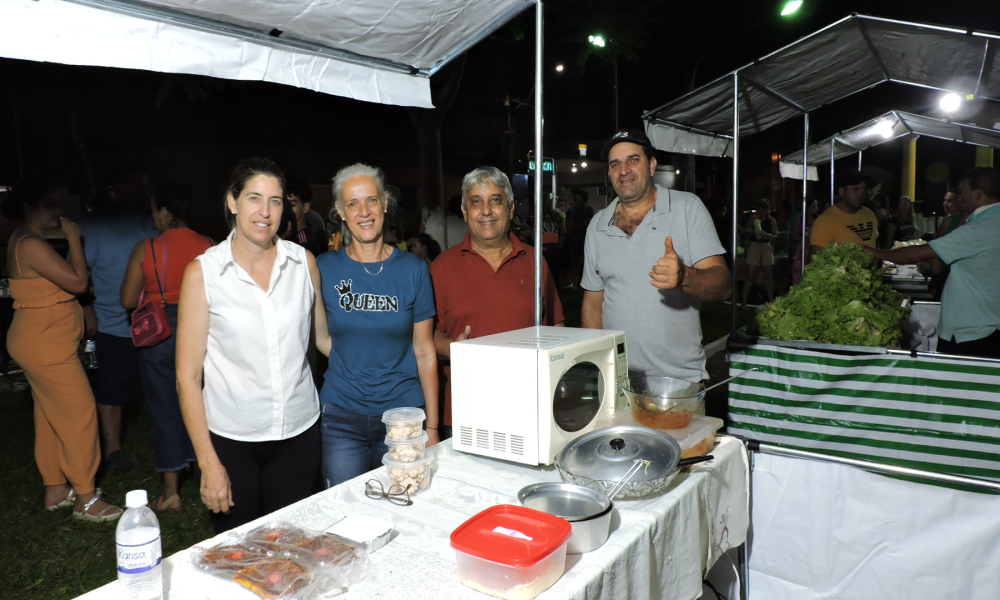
x: 523, y: 395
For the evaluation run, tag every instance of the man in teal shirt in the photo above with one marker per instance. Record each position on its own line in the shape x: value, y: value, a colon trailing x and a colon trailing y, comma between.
x: 970, y: 304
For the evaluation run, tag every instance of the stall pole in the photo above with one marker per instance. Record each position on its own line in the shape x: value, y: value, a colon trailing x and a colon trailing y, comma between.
x: 736, y: 192
x: 832, y: 170
x: 743, y: 554
x: 553, y: 184
x: 859, y: 163
x: 805, y: 183
x: 539, y: 160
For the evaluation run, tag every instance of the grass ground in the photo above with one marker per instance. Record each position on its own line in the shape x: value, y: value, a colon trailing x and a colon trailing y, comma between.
x: 51, y: 556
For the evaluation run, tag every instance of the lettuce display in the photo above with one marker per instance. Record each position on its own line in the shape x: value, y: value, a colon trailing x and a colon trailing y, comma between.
x: 841, y: 300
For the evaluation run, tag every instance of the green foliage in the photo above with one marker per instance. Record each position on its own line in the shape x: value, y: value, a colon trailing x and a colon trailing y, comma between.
x: 841, y: 300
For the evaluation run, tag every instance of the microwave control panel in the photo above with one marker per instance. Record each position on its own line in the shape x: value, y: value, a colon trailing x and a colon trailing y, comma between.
x: 621, y: 371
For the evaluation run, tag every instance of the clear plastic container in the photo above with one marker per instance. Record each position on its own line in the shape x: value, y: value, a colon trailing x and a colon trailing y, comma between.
x: 403, y: 423
x: 511, y: 552
x: 407, y: 450
x: 698, y: 438
x: 412, y: 476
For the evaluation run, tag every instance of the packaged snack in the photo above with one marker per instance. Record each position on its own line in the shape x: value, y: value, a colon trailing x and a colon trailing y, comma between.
x: 274, y: 578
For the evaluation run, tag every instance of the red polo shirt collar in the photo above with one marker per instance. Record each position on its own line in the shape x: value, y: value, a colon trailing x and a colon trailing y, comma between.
x: 518, y: 248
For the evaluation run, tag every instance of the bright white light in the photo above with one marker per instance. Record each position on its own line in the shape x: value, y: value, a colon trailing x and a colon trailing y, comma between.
x: 791, y: 7
x: 950, y: 102
x: 677, y: 172
x: 559, y: 68
x: 584, y: 164
x: 573, y: 169
x: 597, y: 40
x: 883, y: 128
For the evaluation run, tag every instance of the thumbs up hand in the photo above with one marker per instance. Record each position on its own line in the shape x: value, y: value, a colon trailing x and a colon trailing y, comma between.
x: 668, y: 273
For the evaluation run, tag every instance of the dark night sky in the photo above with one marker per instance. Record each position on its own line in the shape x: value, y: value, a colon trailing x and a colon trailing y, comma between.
x: 119, y: 113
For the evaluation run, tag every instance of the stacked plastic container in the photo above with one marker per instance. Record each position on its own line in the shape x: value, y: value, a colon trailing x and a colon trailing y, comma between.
x: 407, y: 463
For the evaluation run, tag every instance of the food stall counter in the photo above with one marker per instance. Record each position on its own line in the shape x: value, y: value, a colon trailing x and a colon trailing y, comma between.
x: 660, y: 546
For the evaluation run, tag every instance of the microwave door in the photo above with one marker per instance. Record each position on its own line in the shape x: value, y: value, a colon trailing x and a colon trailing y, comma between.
x: 577, y: 397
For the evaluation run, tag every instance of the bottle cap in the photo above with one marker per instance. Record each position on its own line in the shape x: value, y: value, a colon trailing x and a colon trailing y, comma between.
x: 136, y: 498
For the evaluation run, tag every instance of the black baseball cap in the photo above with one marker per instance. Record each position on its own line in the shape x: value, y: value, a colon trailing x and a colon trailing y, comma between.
x: 636, y: 136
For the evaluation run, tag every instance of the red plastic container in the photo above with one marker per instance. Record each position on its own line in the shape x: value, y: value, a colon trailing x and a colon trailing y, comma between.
x: 511, y: 552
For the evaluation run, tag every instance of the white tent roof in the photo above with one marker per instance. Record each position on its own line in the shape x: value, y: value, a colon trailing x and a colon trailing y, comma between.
x: 886, y: 128
x: 374, y: 50
x: 851, y: 55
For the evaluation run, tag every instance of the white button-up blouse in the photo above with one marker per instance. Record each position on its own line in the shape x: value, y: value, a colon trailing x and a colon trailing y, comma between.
x: 258, y: 385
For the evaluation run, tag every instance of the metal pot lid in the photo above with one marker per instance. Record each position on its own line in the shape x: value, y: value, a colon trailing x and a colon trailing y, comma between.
x: 607, y: 454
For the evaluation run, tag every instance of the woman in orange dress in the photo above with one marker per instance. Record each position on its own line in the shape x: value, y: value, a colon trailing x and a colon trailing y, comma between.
x: 43, y: 340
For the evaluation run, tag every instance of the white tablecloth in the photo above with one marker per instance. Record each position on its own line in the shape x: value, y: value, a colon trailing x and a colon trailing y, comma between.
x: 660, y: 547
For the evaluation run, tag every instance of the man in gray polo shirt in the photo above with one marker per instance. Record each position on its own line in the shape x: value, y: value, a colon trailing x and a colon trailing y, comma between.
x: 651, y: 258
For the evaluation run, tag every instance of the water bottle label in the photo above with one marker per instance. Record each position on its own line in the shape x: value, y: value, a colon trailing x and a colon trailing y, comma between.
x: 138, y: 558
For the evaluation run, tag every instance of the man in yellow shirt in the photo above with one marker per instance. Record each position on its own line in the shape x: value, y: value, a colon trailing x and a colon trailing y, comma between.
x: 847, y: 220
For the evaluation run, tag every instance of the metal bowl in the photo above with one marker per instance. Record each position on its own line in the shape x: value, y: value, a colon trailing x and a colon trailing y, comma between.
x: 664, y: 402
x: 586, y: 509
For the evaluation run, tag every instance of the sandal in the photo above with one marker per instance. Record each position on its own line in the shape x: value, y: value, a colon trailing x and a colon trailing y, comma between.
x: 70, y: 499
x: 172, y: 503
x: 84, y: 515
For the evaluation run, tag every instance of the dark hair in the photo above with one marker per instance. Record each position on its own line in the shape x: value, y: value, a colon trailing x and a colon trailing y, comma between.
x: 765, y: 203
x: 298, y: 186
x: 30, y: 192
x: 955, y: 190
x: 985, y: 180
x: 849, y: 178
x: 177, y: 198
x: 244, y: 172
x: 433, y: 247
x: 578, y: 192
x: 287, y: 217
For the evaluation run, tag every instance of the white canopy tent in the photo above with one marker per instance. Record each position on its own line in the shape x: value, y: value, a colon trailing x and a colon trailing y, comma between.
x: 890, y: 126
x: 378, y: 50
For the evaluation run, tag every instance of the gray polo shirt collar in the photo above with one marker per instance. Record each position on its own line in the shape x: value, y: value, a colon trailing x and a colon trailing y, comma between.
x: 662, y: 206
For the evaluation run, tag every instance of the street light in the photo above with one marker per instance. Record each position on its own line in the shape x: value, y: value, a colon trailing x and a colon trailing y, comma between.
x: 950, y: 102
x: 599, y: 41
x: 791, y: 7
x: 559, y: 68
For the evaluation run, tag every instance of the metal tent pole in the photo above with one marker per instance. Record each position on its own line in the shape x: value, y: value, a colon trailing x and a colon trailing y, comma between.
x: 736, y: 193
x: 805, y: 184
x: 832, y: 169
x: 859, y: 163
x: 539, y: 161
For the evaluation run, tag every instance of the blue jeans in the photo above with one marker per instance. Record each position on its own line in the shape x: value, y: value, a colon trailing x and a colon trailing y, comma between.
x: 352, y: 444
x: 171, y: 445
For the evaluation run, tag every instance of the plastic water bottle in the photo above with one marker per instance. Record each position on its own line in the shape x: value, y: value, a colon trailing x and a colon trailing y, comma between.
x: 89, y: 354
x: 138, y: 539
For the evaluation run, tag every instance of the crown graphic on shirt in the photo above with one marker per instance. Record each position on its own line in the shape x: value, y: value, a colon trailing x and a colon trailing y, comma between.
x: 344, y: 288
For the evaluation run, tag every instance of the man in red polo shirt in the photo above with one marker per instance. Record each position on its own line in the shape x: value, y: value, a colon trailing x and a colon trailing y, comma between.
x: 486, y: 284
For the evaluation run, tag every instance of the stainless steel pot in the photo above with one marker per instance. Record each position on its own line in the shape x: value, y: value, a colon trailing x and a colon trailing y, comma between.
x: 599, y: 459
x: 587, y: 510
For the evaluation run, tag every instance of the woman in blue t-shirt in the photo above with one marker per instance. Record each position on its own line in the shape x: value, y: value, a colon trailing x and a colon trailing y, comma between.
x: 380, y: 311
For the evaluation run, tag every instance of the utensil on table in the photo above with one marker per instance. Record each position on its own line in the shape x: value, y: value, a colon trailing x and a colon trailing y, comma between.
x: 715, y: 385
x: 638, y: 464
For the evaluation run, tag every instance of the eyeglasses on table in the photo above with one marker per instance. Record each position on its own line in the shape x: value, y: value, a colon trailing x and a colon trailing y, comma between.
x: 395, y: 494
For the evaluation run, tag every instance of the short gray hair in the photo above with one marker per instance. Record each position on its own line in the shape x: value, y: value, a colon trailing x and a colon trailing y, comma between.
x: 480, y: 176
x: 387, y: 198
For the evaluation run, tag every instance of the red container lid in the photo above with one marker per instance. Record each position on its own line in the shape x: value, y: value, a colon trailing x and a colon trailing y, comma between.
x: 511, y: 535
